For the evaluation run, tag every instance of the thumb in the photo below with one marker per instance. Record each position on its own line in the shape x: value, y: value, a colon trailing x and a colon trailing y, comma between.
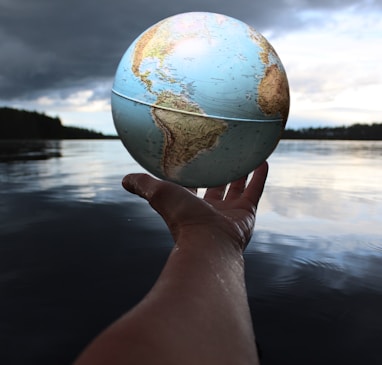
x: 142, y: 185
x: 165, y: 197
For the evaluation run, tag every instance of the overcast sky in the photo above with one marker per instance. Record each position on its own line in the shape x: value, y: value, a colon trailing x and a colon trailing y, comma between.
x: 60, y: 56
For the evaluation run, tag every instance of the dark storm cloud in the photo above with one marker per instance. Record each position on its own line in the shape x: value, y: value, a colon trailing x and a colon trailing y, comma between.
x: 55, y: 44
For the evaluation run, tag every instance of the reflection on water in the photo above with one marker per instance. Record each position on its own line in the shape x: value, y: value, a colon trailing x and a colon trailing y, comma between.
x: 324, y: 188
x: 25, y: 150
x: 354, y: 167
x: 313, y: 266
x: 86, y: 170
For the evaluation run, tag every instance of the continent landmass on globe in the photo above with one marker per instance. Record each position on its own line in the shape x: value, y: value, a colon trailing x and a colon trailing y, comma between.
x: 274, y: 93
x: 185, y: 138
x: 153, y: 44
x: 273, y: 88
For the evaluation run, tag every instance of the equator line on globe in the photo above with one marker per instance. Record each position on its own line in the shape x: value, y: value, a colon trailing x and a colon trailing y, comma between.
x: 200, y: 99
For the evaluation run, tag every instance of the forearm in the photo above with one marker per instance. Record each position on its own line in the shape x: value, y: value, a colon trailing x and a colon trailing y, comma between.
x: 202, y: 291
x: 196, y: 313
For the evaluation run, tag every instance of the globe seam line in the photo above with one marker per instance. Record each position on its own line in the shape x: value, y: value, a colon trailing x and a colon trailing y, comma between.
x: 193, y: 113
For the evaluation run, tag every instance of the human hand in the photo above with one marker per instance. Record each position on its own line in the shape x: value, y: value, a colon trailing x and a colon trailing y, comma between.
x: 231, y: 213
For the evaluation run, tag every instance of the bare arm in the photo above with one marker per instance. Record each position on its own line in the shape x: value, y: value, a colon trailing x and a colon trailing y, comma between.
x: 197, y: 312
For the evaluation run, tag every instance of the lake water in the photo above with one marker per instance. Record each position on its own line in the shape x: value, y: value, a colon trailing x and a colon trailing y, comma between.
x: 76, y: 251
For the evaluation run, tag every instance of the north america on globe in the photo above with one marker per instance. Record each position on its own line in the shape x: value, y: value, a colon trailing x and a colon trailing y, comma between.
x: 200, y: 99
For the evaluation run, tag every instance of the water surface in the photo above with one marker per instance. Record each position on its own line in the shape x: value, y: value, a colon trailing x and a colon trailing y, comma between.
x: 77, y: 251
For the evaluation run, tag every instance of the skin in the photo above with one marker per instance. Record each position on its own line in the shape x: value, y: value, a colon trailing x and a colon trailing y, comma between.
x: 197, y: 312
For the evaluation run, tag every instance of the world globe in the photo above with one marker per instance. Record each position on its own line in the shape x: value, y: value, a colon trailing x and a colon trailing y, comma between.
x: 200, y: 99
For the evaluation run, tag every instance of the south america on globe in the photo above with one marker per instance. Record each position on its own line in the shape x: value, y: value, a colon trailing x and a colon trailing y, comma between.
x: 200, y: 99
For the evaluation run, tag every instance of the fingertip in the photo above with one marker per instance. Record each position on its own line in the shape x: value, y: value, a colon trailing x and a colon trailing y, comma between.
x: 236, y: 188
x: 132, y: 182
x: 256, y: 185
x: 261, y: 173
x: 263, y: 168
x: 127, y: 181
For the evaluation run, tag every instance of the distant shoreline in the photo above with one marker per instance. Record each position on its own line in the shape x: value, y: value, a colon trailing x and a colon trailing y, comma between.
x: 354, y: 132
x: 22, y: 124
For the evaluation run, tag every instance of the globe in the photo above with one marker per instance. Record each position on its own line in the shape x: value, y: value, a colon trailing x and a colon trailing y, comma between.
x: 200, y: 99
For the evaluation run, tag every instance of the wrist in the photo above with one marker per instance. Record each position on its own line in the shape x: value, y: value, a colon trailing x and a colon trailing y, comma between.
x: 210, y: 237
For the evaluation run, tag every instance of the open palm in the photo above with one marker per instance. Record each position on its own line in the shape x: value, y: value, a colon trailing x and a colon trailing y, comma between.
x: 231, y: 209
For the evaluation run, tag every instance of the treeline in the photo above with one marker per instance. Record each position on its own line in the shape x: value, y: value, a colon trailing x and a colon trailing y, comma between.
x: 21, y: 124
x: 353, y: 132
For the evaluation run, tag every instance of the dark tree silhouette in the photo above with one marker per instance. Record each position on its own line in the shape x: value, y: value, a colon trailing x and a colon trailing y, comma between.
x: 354, y: 132
x: 21, y: 124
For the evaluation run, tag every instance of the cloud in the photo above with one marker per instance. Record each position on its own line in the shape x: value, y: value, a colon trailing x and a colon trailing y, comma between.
x: 334, y: 68
x: 49, y: 44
